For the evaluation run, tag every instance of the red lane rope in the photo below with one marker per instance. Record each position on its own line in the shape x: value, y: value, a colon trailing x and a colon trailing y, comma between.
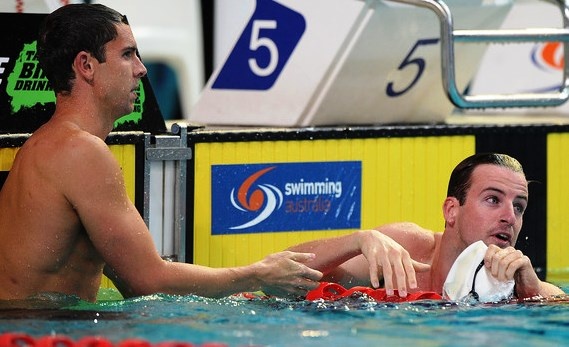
x: 23, y: 340
x: 334, y: 291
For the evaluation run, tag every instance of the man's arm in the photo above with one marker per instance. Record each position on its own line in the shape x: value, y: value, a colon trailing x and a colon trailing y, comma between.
x: 95, y: 187
x: 367, y: 256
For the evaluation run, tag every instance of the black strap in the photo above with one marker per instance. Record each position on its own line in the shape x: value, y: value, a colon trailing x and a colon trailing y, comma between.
x: 473, y: 292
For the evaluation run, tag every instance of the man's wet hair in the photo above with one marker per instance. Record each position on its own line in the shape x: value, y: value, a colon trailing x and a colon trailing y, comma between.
x: 69, y: 30
x: 461, y: 176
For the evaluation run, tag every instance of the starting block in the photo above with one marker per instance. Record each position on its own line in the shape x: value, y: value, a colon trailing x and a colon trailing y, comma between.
x: 334, y: 62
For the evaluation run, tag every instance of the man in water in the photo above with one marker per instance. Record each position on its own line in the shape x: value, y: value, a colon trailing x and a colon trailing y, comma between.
x: 64, y: 211
x: 486, y: 199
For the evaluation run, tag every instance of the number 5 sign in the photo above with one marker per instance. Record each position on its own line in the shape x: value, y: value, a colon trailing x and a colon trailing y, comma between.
x: 329, y: 62
x: 263, y: 49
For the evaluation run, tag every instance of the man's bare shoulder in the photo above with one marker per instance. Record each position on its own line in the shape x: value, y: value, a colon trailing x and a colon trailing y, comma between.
x: 57, y: 149
x: 65, y: 158
x: 65, y: 138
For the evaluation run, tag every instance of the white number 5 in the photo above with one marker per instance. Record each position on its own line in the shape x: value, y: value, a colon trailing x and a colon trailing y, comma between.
x: 257, y: 42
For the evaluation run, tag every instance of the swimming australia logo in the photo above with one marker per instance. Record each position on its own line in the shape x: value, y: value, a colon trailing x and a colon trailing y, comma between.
x: 277, y: 197
x: 263, y: 199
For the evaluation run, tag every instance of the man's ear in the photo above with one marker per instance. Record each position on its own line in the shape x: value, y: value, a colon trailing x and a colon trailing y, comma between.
x: 450, y: 209
x: 83, y: 66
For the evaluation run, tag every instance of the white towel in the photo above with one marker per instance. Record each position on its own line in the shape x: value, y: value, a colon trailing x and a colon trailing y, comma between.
x: 458, y: 284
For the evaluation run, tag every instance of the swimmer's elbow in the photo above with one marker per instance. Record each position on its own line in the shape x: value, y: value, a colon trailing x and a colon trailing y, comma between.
x: 118, y: 282
x: 137, y: 285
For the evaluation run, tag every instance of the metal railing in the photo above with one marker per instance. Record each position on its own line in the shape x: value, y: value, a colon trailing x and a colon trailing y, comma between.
x: 165, y: 187
x: 450, y: 36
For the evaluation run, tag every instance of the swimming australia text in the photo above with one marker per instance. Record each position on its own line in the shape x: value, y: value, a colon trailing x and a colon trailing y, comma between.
x: 314, y: 188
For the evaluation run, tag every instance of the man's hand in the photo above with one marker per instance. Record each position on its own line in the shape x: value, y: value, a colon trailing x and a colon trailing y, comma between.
x: 284, y: 274
x: 509, y: 263
x: 392, y: 260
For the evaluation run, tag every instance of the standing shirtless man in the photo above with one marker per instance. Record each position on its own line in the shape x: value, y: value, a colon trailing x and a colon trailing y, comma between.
x: 64, y: 211
x: 486, y: 199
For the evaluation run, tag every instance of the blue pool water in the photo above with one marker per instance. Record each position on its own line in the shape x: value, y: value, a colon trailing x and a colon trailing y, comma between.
x: 355, y: 321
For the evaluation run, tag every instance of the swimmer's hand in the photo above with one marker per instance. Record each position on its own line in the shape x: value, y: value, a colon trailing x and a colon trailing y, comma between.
x: 388, y: 259
x: 284, y: 274
x: 511, y: 264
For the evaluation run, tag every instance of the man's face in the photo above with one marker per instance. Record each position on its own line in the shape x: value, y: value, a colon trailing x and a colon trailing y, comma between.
x: 494, y: 206
x: 119, y: 76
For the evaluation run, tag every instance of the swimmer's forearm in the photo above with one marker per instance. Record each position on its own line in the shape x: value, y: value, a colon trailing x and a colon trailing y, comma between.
x: 548, y: 289
x: 185, y: 279
x: 280, y: 274
x: 331, y: 252
x: 543, y: 290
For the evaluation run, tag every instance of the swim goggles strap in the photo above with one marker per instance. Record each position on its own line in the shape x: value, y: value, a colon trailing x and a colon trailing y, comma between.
x: 473, y: 292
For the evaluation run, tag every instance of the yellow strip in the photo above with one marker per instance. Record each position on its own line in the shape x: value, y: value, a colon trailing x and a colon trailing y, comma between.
x: 125, y: 155
x: 402, y: 179
x: 557, y: 226
x: 7, y: 156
